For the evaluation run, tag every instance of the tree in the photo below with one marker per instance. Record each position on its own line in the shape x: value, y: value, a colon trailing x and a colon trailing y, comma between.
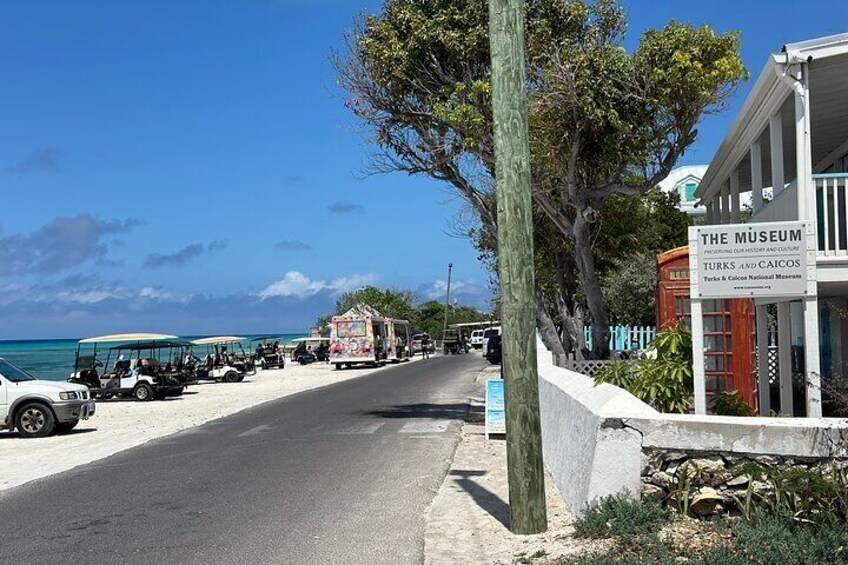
x: 390, y: 303
x: 429, y: 316
x: 604, y: 122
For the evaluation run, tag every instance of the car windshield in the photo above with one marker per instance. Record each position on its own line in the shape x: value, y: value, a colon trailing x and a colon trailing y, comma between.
x: 13, y: 373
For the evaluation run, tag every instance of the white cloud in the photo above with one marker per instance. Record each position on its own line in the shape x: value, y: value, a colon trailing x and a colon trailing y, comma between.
x: 437, y: 289
x: 295, y: 283
x: 89, y: 296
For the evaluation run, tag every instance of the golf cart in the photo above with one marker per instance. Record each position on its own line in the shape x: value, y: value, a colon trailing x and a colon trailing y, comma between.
x: 224, y: 359
x: 311, y: 349
x: 267, y: 352
x: 142, y: 366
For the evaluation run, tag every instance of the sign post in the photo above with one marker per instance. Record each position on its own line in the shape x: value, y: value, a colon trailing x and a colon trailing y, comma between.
x: 771, y: 260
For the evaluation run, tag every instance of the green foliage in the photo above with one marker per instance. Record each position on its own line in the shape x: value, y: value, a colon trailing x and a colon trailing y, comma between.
x: 389, y: 302
x: 618, y: 373
x: 809, y: 495
x: 430, y: 316
x: 731, y: 404
x: 620, y: 517
x: 665, y: 382
x: 630, y: 288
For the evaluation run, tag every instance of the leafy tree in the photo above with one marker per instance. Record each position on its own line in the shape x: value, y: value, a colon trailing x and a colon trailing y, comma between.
x: 388, y: 302
x: 630, y: 290
x: 430, y: 316
x: 603, y: 121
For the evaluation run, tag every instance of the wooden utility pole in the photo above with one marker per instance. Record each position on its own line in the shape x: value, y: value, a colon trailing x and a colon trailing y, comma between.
x: 447, y: 304
x: 527, y: 514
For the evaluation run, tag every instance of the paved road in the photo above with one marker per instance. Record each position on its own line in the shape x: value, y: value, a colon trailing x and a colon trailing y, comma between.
x: 343, y: 474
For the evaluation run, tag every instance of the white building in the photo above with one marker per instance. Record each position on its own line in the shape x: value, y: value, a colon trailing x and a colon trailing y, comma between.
x: 684, y: 181
x: 792, y: 135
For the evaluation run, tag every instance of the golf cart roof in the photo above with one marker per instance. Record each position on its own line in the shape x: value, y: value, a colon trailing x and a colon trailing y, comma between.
x: 266, y: 337
x: 218, y: 340
x: 151, y: 344
x: 310, y: 338
x: 114, y: 338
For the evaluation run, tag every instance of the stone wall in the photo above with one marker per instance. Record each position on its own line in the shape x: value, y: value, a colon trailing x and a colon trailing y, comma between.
x: 601, y: 440
x: 722, y: 479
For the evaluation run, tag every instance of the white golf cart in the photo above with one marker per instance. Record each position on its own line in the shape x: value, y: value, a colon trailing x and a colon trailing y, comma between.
x: 139, y: 366
x: 223, y: 359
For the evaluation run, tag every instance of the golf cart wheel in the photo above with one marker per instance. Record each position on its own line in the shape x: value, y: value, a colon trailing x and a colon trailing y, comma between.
x: 63, y: 428
x: 143, y: 392
x: 35, y: 420
x: 240, y: 378
x: 231, y: 377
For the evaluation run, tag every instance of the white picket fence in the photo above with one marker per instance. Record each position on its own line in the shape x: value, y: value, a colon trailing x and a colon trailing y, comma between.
x: 625, y: 338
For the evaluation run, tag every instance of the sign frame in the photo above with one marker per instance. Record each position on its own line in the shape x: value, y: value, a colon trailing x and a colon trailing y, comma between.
x: 495, y: 408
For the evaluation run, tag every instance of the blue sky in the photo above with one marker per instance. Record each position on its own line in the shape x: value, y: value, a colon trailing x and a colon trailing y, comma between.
x: 190, y: 166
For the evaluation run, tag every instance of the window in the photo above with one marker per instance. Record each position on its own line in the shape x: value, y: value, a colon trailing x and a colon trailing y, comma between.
x: 13, y: 373
x: 689, y: 193
x: 354, y: 328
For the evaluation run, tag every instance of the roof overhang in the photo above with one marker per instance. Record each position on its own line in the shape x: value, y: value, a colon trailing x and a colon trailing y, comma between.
x: 764, y: 100
x: 115, y: 338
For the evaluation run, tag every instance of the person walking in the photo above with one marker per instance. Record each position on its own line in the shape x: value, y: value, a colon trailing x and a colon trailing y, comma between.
x: 425, y: 347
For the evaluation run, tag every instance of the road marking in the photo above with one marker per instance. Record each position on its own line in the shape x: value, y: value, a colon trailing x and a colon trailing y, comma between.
x: 425, y: 427
x: 253, y: 431
x: 358, y: 429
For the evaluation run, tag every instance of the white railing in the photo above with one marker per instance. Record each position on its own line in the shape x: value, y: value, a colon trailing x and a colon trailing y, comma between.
x: 832, y: 212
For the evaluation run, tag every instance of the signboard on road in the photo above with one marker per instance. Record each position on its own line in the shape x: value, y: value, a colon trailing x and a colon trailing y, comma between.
x: 495, y: 409
x: 770, y: 259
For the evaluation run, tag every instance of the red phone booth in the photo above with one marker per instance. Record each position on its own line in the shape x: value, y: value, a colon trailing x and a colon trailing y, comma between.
x: 729, y: 327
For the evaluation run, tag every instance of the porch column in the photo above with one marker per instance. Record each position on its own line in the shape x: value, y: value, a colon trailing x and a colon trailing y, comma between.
x: 757, y: 176
x: 698, y: 368
x: 784, y: 356
x: 812, y: 368
x: 803, y: 152
x: 776, y: 138
x: 762, y: 361
x: 725, y: 204
x: 711, y: 212
x: 735, y: 212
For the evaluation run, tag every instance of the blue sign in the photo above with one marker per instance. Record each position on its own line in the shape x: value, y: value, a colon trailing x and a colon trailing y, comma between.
x: 495, y: 410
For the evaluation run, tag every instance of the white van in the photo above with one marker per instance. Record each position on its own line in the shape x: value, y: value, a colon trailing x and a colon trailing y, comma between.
x: 476, y: 339
x: 487, y: 333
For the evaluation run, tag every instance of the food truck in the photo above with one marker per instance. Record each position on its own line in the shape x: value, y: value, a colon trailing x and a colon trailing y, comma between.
x: 358, y: 336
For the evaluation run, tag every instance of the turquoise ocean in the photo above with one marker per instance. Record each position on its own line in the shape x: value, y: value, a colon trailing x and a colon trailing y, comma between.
x: 53, y: 359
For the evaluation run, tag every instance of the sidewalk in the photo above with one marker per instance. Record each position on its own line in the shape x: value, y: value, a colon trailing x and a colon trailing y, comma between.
x: 467, y: 522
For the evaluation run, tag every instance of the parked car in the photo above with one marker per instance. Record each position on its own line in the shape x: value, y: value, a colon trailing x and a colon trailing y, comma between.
x: 423, y: 341
x: 477, y: 339
x: 494, y: 353
x: 487, y: 334
x: 37, y: 408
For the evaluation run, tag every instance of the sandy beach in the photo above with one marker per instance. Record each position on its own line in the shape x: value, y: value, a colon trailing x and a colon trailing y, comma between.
x: 123, y: 424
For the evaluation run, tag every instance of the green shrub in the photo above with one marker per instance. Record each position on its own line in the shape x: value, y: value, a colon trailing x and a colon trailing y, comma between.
x: 665, y: 382
x: 621, y: 517
x: 731, y: 404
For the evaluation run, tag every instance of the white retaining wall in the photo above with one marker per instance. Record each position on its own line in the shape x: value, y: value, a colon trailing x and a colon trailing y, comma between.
x: 593, y: 437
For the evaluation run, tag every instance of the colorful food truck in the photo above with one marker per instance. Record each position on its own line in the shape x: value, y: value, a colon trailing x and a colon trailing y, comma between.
x: 358, y: 336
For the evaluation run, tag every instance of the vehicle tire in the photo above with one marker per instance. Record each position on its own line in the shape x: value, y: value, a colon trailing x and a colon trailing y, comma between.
x: 241, y: 378
x: 65, y: 427
x: 231, y: 377
x: 143, y: 392
x: 35, y: 419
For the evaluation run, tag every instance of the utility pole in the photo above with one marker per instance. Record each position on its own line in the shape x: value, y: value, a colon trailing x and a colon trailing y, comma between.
x: 447, y: 304
x: 527, y: 513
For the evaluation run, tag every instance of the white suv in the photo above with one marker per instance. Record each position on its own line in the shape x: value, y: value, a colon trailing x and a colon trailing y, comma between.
x: 37, y: 408
x: 487, y: 333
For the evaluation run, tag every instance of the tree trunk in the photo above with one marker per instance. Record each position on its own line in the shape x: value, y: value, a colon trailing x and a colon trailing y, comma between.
x: 547, y: 329
x: 591, y: 287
